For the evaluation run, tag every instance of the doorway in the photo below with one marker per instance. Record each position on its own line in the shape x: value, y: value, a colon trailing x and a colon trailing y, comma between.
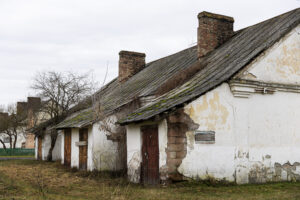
x: 150, y: 155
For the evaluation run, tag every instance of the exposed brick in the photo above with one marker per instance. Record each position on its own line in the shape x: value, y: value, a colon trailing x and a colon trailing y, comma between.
x: 172, y: 169
x: 213, y: 30
x: 174, y: 162
x: 180, y: 140
x: 174, y: 132
x: 171, y: 140
x: 176, y: 147
x: 129, y: 64
x: 171, y: 154
x: 180, y: 154
x: 175, y: 176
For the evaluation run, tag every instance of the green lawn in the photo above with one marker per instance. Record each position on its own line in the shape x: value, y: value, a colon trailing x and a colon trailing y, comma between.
x: 30, y: 179
x: 16, y: 156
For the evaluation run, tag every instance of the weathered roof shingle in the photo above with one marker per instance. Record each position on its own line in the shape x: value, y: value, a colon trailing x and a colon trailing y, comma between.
x: 221, y: 64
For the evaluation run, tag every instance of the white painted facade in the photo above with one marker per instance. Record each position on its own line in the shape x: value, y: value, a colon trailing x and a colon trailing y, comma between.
x: 103, y: 154
x: 257, y: 129
x: 46, y: 143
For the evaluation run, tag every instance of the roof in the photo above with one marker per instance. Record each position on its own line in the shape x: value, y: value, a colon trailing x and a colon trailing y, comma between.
x: 78, y: 119
x: 221, y: 64
x: 143, y: 84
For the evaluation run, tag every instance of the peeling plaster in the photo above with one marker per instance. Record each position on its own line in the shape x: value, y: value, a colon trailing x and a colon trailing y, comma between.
x: 134, y: 168
x: 280, y: 63
x: 213, y: 113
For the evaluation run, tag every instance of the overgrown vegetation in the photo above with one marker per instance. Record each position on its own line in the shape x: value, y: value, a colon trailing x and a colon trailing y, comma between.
x: 30, y: 179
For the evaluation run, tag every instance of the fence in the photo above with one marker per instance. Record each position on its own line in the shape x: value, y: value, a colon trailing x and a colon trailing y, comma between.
x: 17, y: 152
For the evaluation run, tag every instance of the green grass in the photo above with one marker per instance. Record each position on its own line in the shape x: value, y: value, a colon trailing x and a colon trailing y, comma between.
x: 30, y: 179
x: 17, y: 156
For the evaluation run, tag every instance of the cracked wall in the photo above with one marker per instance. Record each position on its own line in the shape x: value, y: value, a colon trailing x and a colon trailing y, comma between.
x: 255, y: 137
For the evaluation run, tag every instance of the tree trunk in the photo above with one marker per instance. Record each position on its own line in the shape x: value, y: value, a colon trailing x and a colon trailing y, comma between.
x: 15, y: 141
x: 54, y: 134
x: 10, y: 142
x: 3, y: 144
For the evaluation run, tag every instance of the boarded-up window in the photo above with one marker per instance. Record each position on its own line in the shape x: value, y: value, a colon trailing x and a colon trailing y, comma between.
x: 205, y: 137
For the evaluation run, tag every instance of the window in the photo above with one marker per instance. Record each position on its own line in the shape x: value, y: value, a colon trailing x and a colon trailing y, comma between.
x: 205, y: 137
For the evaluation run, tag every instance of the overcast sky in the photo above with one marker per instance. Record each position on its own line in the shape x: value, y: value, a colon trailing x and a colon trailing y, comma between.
x: 85, y: 35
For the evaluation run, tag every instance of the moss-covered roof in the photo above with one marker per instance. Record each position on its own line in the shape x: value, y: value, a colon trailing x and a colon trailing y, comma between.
x: 78, y: 119
x: 145, y: 83
x: 221, y: 64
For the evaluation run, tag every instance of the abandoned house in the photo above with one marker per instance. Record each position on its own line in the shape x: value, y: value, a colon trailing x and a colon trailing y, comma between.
x: 223, y: 109
x: 25, y: 111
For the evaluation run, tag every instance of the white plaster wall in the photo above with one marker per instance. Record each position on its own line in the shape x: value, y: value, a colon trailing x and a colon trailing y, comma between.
x: 280, y: 63
x: 255, y: 136
x: 252, y: 135
x: 134, y: 157
x: 74, y: 148
x: 46, y: 143
x: 105, y: 155
x: 134, y: 147
x: 62, y: 147
x: 90, y: 165
x: 56, y: 153
x: 36, y: 148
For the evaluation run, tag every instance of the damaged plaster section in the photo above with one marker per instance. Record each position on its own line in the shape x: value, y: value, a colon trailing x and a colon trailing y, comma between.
x: 260, y: 173
x: 280, y: 63
x: 179, y: 124
x: 212, y: 112
x: 134, y: 168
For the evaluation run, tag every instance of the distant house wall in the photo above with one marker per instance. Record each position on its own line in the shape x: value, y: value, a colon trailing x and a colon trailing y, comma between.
x: 20, y: 140
x: 36, y: 148
x: 29, y: 143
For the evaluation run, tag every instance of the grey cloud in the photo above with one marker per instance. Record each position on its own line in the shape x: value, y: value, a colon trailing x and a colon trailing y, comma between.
x: 83, y: 35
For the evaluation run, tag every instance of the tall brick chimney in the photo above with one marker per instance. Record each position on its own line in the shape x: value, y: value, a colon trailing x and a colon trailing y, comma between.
x: 33, y: 105
x: 130, y: 63
x: 3, y: 114
x: 21, y: 108
x: 213, y: 30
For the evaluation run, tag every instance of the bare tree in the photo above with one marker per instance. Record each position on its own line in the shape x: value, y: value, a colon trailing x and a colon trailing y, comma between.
x: 11, y: 126
x: 60, y: 91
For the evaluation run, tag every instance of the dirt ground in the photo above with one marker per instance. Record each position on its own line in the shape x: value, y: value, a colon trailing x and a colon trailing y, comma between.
x: 30, y: 179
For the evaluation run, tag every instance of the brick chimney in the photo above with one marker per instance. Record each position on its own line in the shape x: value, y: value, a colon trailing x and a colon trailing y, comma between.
x: 21, y: 108
x: 213, y: 30
x: 130, y: 63
x: 34, y: 103
x: 3, y: 115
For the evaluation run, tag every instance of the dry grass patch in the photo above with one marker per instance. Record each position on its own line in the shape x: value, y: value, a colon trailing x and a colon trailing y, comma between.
x: 28, y: 179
